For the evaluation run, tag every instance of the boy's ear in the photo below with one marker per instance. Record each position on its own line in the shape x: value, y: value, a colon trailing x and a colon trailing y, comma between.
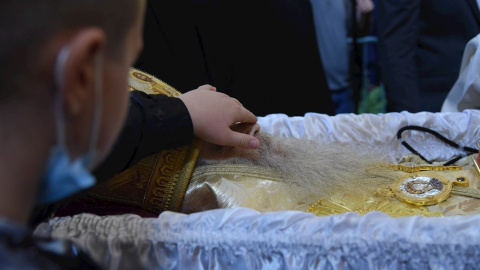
x: 79, y: 73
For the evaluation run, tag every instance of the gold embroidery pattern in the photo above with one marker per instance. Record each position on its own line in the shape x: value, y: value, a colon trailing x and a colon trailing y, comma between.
x: 420, y: 168
x: 384, y: 198
x: 171, y: 178
x: 158, y: 182
x: 149, y: 84
x: 235, y: 169
x: 129, y: 186
x: 343, y: 203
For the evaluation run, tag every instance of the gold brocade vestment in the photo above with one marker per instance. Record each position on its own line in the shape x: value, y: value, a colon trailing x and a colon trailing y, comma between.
x: 158, y: 182
x: 170, y: 181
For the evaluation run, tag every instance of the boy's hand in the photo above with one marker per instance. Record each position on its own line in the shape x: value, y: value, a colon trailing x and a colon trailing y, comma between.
x: 212, y: 115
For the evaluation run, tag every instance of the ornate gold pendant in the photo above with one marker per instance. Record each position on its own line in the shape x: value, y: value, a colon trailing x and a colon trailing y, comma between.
x: 425, y: 188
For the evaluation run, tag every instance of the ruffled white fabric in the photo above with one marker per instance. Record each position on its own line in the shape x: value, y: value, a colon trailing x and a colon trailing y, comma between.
x: 380, y: 130
x: 242, y: 238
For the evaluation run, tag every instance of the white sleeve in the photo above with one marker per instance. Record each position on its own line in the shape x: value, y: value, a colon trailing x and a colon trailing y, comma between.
x: 465, y: 93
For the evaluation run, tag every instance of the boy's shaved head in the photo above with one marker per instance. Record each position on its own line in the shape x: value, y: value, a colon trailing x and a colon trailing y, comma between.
x: 27, y: 26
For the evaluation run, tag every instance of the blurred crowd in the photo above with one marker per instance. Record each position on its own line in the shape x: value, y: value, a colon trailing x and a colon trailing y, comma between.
x: 357, y: 55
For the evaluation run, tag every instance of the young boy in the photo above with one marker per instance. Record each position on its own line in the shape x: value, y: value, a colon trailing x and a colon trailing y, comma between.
x: 63, y: 102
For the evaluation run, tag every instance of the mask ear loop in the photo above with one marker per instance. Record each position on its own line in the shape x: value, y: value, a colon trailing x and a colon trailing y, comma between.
x: 59, y: 83
x: 97, y: 109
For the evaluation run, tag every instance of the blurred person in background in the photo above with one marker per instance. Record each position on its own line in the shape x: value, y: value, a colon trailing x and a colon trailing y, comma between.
x: 334, y: 25
x: 421, y: 44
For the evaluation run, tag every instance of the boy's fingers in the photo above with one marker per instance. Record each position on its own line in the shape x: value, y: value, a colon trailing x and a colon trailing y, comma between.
x: 243, y: 140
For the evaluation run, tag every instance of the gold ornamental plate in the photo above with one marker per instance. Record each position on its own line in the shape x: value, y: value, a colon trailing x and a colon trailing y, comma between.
x: 422, y: 188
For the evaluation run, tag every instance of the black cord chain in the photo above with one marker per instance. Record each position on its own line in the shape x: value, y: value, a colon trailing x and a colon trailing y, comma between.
x: 467, y: 149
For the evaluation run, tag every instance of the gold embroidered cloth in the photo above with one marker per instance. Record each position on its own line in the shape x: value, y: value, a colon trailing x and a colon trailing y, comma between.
x: 169, y: 181
x: 229, y: 185
x: 158, y: 182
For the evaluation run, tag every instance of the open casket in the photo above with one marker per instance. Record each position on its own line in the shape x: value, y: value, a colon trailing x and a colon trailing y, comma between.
x: 243, y: 238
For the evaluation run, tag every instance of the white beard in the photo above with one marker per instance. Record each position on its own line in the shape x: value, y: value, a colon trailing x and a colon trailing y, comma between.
x: 310, y: 168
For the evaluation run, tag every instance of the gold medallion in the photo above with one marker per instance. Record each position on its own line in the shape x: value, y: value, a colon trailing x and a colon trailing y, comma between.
x: 422, y: 188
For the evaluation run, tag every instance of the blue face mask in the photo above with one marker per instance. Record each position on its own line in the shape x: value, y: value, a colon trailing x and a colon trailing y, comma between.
x: 64, y: 177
